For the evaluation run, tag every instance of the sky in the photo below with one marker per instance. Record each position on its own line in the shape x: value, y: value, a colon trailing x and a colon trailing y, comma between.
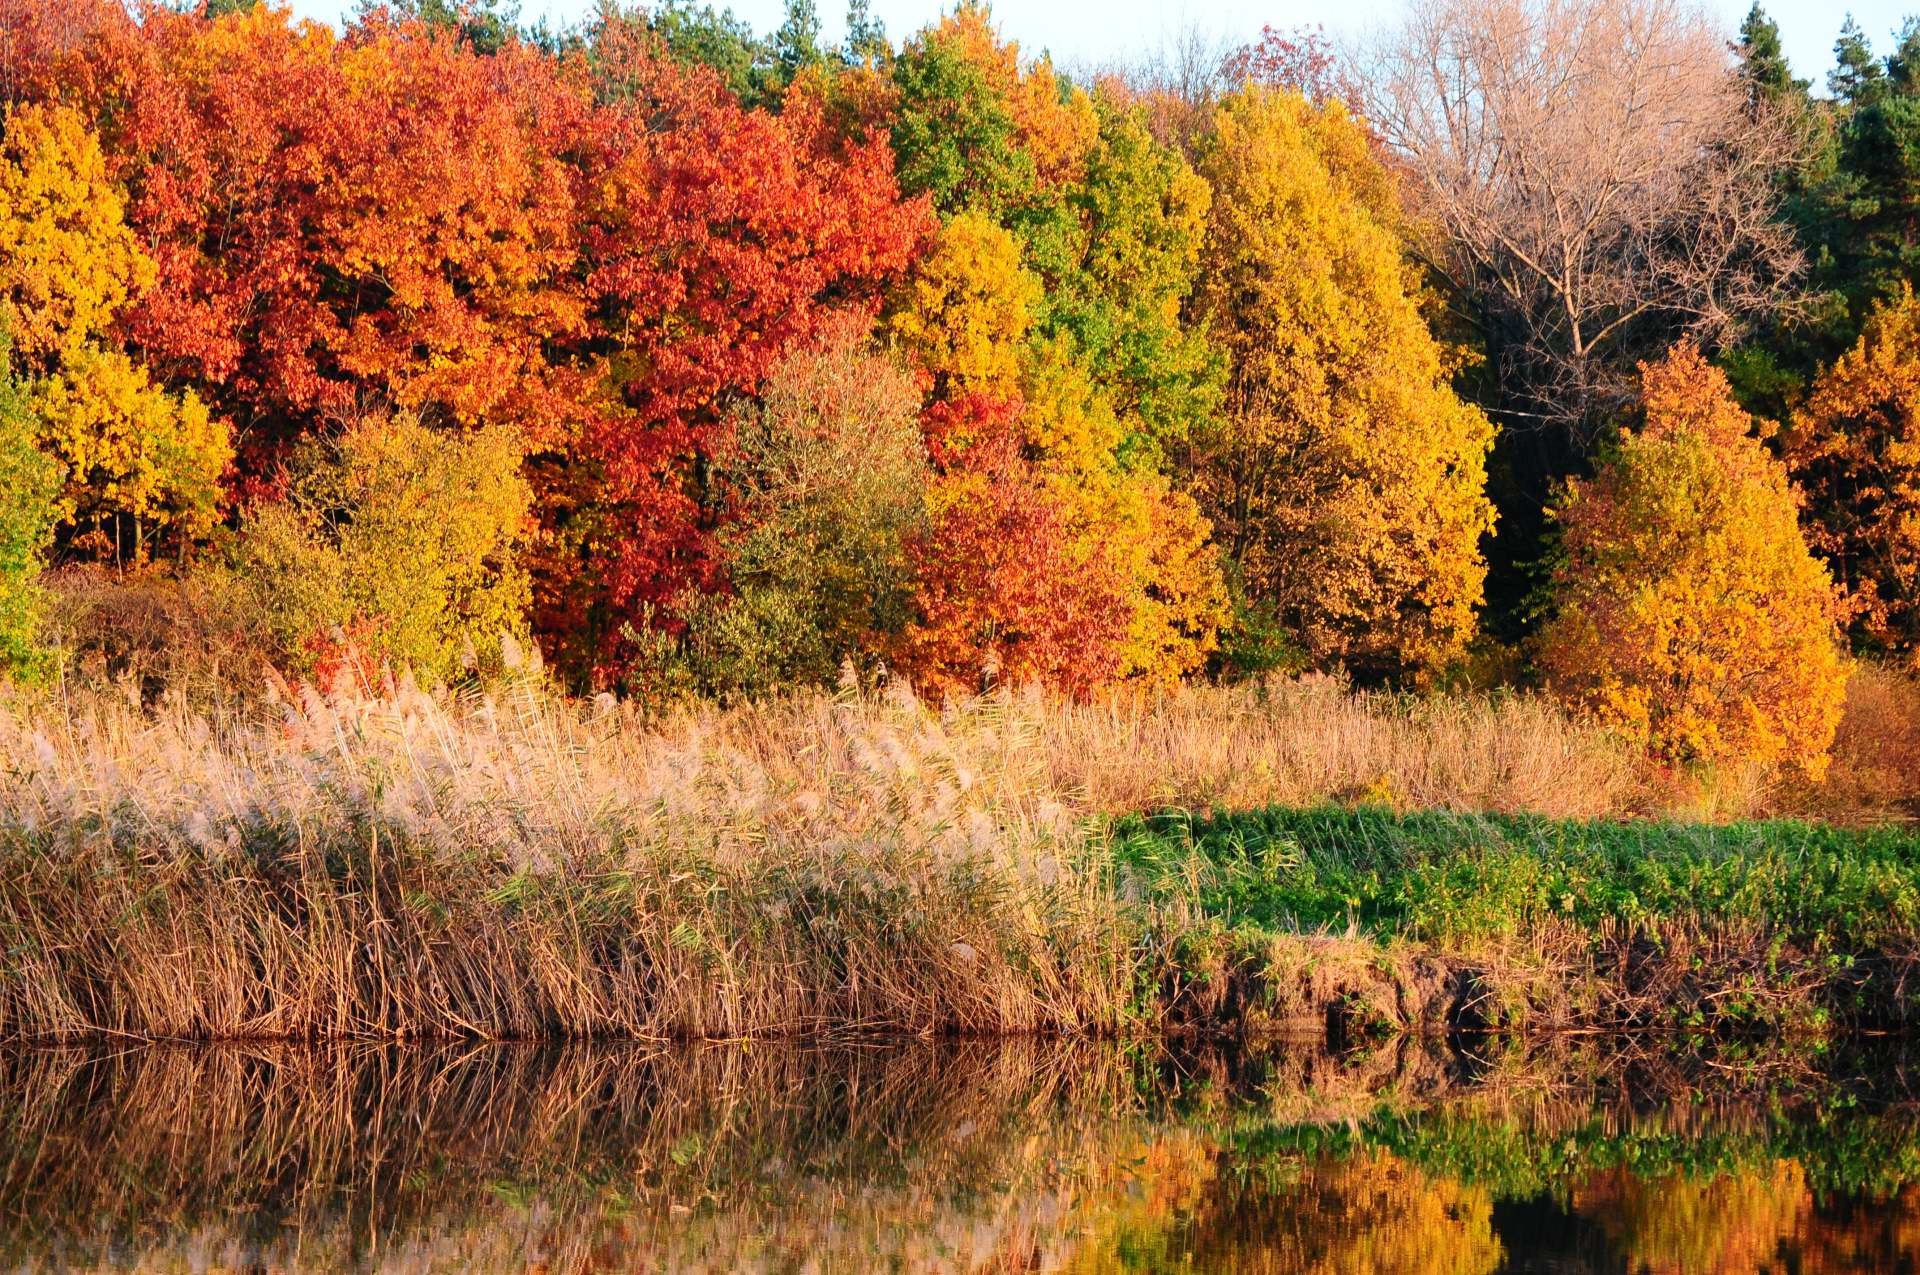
x: 1093, y: 32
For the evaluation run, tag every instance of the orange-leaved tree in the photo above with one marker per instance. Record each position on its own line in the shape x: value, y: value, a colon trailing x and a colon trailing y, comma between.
x: 1009, y: 588
x: 1855, y: 448
x: 1688, y: 611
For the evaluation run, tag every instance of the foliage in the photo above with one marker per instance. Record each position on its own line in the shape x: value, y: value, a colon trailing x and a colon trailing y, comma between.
x: 825, y: 476
x: 132, y: 454
x: 395, y: 538
x: 1010, y: 589
x: 1346, y: 478
x: 68, y: 262
x: 31, y: 481
x: 1855, y: 448
x: 1455, y: 878
x: 967, y: 309
x: 1689, y: 612
x: 399, y: 256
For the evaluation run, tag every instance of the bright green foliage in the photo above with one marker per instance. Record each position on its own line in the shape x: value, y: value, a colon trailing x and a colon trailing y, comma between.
x: 30, y: 481
x: 1144, y: 213
x: 1448, y: 877
x: 827, y: 474
x: 954, y: 135
x: 398, y: 540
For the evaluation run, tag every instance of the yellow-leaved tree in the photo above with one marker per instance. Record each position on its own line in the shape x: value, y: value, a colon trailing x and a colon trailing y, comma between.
x: 1688, y: 611
x: 68, y: 262
x: 137, y: 458
x: 1855, y: 448
x: 1345, y: 478
x: 139, y: 462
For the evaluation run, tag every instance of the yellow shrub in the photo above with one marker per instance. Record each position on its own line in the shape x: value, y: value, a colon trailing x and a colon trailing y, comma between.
x: 403, y: 539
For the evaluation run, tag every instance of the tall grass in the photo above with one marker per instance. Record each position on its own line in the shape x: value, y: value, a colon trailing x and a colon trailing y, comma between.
x: 394, y: 862
x: 518, y: 866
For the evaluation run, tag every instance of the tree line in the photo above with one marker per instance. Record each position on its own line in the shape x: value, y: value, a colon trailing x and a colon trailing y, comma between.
x: 1531, y: 340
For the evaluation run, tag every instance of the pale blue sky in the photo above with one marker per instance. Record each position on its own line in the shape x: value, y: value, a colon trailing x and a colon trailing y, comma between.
x: 1082, y: 32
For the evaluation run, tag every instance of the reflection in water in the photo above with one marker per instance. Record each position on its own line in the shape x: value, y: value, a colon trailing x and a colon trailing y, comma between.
x: 953, y: 1157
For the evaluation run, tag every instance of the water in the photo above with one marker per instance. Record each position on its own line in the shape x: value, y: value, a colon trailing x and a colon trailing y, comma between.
x: 1571, y: 1156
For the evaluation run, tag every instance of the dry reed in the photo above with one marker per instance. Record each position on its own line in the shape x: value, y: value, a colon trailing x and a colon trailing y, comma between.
x: 516, y: 864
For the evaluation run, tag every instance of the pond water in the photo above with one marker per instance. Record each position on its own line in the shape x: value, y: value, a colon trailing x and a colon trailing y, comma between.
x: 1564, y: 1156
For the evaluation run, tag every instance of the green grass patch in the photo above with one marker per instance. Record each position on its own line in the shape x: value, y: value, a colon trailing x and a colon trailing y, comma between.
x: 1450, y: 878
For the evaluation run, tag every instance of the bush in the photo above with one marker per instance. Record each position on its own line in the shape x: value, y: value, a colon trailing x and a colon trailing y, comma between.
x: 30, y: 481
x: 825, y: 476
x: 1689, y: 612
x: 394, y: 540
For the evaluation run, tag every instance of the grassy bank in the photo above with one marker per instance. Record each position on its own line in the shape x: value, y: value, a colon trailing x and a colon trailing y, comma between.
x: 1437, y: 920
x: 516, y: 865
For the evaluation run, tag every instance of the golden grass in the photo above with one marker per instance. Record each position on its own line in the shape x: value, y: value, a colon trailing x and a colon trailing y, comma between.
x: 516, y: 864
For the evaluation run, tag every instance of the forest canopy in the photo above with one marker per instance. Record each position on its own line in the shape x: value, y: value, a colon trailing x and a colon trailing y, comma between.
x: 718, y: 362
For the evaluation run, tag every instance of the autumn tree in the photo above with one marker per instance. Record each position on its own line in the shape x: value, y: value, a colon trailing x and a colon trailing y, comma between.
x: 1855, y: 448
x: 138, y: 461
x: 339, y: 226
x: 1346, y: 479
x: 1689, y: 613
x: 1047, y: 314
x: 1008, y: 587
x: 68, y: 261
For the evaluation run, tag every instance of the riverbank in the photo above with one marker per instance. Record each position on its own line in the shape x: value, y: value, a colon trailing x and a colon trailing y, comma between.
x: 516, y: 866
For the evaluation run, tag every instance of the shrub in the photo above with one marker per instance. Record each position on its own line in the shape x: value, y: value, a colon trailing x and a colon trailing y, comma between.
x: 30, y: 480
x: 400, y: 539
x: 1689, y: 612
x: 1010, y: 587
x: 826, y: 476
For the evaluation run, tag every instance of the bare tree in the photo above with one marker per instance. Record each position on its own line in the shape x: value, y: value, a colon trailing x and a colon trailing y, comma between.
x: 1595, y: 181
x: 1177, y: 82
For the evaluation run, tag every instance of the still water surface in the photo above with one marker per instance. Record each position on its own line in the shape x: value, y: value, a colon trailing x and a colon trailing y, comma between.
x: 1565, y: 1157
